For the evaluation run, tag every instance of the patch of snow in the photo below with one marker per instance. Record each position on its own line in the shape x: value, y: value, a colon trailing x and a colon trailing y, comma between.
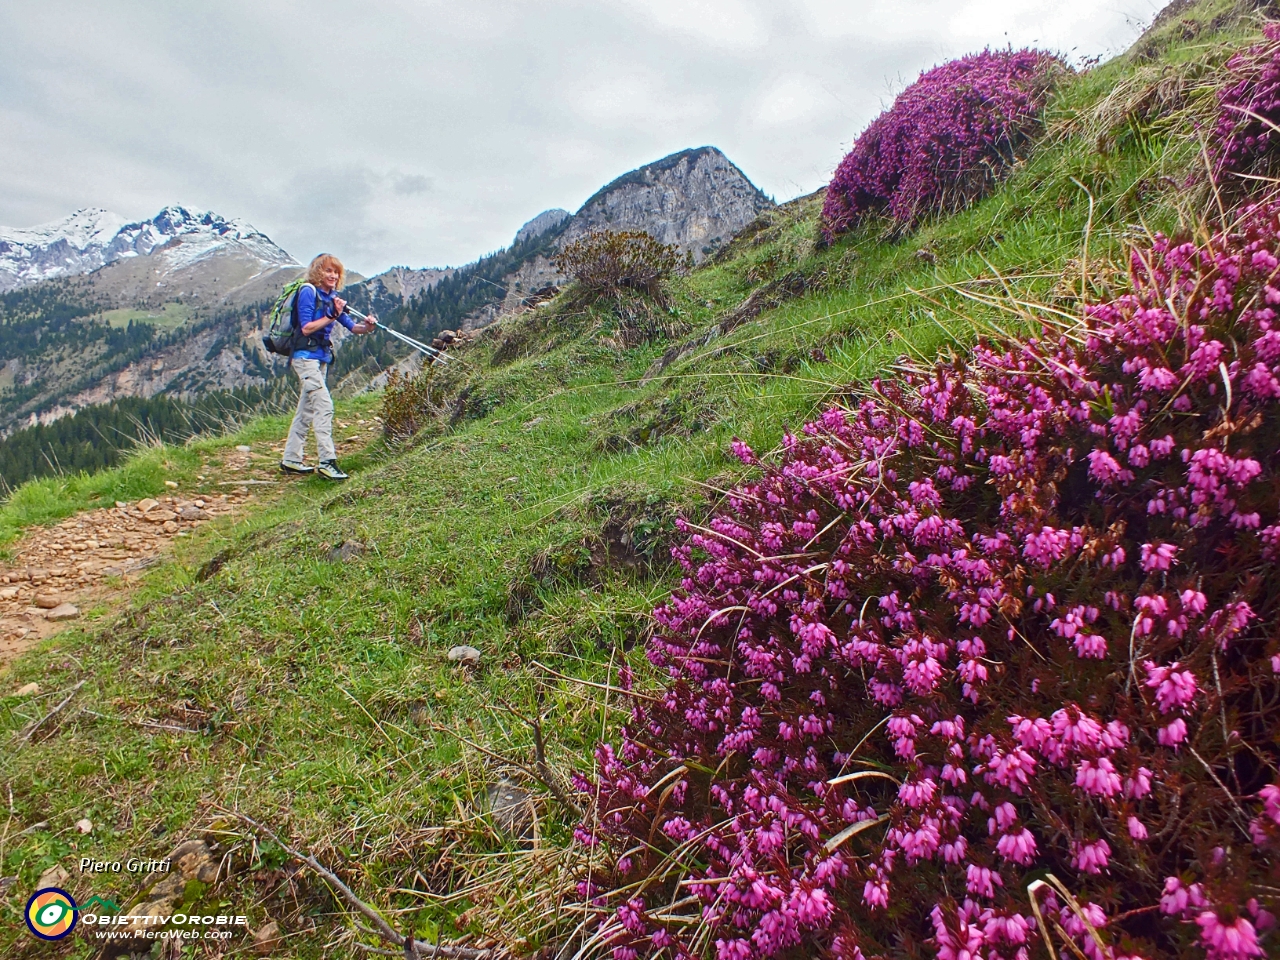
x: 92, y: 238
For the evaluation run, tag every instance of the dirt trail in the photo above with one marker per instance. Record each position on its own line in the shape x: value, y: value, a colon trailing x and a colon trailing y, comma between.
x: 60, y: 572
x: 89, y: 560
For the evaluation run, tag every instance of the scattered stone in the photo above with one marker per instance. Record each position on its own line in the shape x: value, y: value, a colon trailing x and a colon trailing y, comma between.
x: 147, y: 504
x: 193, y: 512
x: 55, y: 876
x: 267, y: 938
x: 244, y: 448
x: 63, y: 611
x: 465, y: 655
x: 37, y: 576
x: 192, y: 860
x: 120, y: 504
x: 47, y: 601
x: 346, y: 550
x: 512, y: 810
x: 8, y: 593
x: 85, y: 825
x: 160, y: 515
x: 171, y: 526
x: 171, y: 484
x: 27, y: 690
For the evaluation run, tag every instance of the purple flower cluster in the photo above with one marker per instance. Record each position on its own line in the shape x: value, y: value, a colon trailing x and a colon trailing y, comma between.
x: 945, y: 141
x: 1249, y: 108
x: 1012, y: 619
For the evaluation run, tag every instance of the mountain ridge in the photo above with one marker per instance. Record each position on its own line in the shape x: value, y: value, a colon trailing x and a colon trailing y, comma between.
x: 92, y: 238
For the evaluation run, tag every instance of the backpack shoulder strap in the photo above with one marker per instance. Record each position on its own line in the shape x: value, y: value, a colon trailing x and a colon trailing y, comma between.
x: 294, y: 307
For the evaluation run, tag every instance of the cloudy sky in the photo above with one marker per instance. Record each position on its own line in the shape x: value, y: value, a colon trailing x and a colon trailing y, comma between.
x: 422, y: 133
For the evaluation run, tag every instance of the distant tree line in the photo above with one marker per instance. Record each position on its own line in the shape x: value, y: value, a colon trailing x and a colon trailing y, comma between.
x: 97, y: 437
x: 440, y: 307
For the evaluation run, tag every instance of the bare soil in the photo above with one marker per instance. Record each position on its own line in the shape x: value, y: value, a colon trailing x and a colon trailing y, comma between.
x: 89, y: 560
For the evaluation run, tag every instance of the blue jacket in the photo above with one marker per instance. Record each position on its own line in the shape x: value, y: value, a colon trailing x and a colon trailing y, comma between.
x: 314, y: 304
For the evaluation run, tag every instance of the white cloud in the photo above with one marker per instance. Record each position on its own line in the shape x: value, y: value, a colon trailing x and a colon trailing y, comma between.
x: 791, y: 99
x: 425, y: 131
x: 732, y: 24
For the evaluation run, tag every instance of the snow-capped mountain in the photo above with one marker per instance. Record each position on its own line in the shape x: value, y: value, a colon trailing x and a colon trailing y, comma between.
x: 93, y: 238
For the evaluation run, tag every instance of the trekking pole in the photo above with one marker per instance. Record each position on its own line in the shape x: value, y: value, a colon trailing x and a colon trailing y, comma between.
x: 416, y: 344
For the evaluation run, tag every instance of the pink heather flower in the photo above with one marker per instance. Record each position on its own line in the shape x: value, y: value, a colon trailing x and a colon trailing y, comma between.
x: 1174, y: 688
x: 916, y: 793
x: 1157, y: 378
x: 1139, y: 785
x: 734, y: 950
x: 1176, y: 898
x: 1098, y: 777
x: 1173, y: 734
x: 743, y: 452
x: 945, y: 141
x: 964, y: 943
x: 1137, y: 829
x: 982, y: 881
x: 1227, y: 941
x: 1019, y: 847
x: 1106, y: 470
x: 875, y: 894
x: 1092, y: 857
x: 1270, y: 797
x: 1005, y: 817
x: 1193, y: 601
x: 1090, y: 646
x: 1158, y: 556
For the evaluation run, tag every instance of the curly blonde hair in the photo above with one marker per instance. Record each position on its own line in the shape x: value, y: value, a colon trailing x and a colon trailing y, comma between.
x: 315, y: 272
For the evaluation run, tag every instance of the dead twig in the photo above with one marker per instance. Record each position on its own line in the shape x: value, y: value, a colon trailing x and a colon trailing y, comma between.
x: 31, y: 728
x: 410, y: 948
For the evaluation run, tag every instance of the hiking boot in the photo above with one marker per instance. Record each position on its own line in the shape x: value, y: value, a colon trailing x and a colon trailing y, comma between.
x: 330, y: 471
x: 295, y: 466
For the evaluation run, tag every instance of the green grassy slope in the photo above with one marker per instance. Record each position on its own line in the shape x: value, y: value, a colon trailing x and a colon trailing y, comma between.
x: 530, y: 520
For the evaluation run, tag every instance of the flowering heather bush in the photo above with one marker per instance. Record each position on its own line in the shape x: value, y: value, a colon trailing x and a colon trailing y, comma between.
x: 944, y: 142
x: 1240, y: 137
x: 990, y: 657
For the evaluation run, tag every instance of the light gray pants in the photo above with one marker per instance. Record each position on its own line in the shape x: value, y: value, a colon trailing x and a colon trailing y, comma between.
x: 315, y: 412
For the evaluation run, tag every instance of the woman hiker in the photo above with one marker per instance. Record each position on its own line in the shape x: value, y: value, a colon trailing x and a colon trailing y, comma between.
x: 316, y: 309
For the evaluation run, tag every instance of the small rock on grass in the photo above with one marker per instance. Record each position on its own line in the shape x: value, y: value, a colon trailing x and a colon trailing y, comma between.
x: 85, y: 825
x: 55, y: 876
x: 465, y: 655
x: 346, y: 550
x: 511, y: 807
x: 267, y: 938
x: 244, y: 448
x: 146, y: 504
x: 63, y: 611
x: 27, y: 690
x: 47, y: 601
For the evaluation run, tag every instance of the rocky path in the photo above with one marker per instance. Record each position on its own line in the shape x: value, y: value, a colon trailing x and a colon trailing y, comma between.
x: 87, y: 560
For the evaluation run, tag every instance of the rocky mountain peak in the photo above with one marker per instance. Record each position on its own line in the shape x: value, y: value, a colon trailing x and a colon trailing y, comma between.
x: 93, y: 238
x: 695, y: 199
x: 547, y: 220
